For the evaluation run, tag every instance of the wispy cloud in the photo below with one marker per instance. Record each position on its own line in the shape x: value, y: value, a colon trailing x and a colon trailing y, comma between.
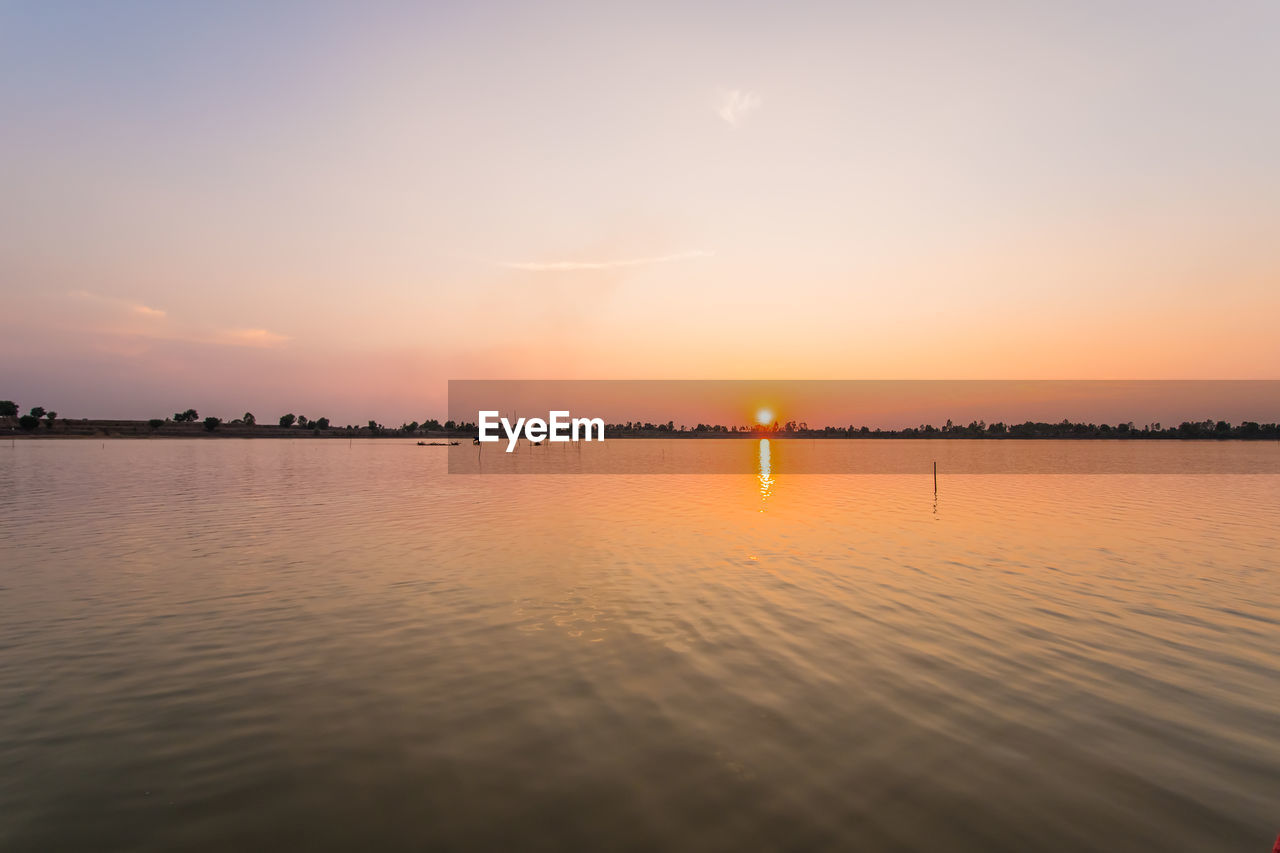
x: 251, y: 338
x: 563, y: 266
x: 113, y: 318
x: 135, y: 307
x: 736, y: 104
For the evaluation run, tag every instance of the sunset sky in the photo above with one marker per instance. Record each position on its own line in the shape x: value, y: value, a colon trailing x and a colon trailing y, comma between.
x: 334, y: 208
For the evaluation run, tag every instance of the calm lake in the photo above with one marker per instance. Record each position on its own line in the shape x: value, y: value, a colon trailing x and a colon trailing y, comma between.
x: 275, y: 644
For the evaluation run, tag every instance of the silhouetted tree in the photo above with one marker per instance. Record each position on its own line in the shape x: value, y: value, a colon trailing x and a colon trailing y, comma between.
x: 28, y: 422
x: 37, y: 412
x: 49, y: 418
x: 286, y: 421
x: 155, y: 423
x: 8, y: 409
x: 249, y: 419
x: 189, y: 416
x: 321, y: 423
x: 303, y: 422
x: 211, y: 424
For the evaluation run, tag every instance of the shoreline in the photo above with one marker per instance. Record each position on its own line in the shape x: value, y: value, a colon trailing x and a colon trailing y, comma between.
x: 71, y: 430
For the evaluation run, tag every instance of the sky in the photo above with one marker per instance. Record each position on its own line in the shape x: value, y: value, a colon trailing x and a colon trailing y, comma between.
x: 335, y: 208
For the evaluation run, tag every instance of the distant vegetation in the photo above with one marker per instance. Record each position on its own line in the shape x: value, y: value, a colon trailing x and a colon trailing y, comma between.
x: 30, y: 421
x: 188, y: 422
x: 975, y: 429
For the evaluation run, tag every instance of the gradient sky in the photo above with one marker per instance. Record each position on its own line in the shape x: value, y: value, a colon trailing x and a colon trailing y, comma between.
x: 334, y: 208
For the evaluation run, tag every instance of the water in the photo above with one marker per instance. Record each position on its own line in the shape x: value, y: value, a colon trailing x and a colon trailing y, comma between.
x: 229, y: 644
x: 870, y: 456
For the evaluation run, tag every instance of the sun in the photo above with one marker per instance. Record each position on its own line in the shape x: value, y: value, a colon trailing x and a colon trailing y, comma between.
x: 764, y: 417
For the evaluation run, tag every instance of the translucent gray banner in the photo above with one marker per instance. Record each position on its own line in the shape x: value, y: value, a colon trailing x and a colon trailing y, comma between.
x: 865, y: 427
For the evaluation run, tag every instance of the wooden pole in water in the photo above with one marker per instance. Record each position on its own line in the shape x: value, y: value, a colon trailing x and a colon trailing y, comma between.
x: 935, y: 476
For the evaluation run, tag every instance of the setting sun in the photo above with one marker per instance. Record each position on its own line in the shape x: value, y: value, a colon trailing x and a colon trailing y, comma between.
x: 764, y: 417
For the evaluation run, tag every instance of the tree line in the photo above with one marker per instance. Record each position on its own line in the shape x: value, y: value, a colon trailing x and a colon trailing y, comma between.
x: 975, y: 429
x: 31, y: 421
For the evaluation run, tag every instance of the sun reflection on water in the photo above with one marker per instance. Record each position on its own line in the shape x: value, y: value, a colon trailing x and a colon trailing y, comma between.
x: 765, y: 473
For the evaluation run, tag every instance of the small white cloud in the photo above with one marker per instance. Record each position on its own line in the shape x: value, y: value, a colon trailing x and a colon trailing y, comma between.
x: 736, y: 104
x: 171, y: 329
x: 251, y: 338
x: 563, y: 266
x: 134, y: 307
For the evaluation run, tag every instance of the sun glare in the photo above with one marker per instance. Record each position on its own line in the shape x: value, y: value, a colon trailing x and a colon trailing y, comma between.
x: 764, y: 417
